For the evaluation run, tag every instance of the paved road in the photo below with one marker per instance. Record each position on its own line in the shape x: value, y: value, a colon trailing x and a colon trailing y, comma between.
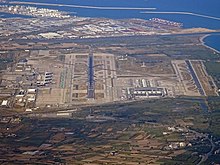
x: 206, y: 156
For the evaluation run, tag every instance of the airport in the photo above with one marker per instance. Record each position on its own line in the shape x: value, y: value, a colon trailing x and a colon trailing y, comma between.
x: 67, y: 79
x: 84, y: 90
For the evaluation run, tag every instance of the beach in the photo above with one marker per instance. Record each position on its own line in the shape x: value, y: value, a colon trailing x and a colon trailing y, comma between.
x: 202, y: 40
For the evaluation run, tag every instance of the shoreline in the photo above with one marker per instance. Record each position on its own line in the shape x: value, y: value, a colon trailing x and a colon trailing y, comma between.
x: 181, y: 13
x: 82, y: 6
x: 201, y: 39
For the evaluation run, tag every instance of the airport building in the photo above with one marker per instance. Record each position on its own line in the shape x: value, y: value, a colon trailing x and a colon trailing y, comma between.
x: 148, y: 92
x: 44, y: 78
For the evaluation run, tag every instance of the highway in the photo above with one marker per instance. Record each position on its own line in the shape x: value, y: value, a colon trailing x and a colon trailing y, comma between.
x: 207, y: 155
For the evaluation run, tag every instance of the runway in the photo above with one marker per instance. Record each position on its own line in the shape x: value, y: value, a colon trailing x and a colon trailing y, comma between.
x: 195, y: 78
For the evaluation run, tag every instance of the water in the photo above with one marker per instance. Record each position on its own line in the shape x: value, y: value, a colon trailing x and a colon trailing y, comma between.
x: 205, y: 7
x: 213, y: 41
x: 196, y: 6
x: 8, y: 15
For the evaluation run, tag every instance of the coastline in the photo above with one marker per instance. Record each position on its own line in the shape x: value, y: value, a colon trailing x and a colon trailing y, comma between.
x: 82, y: 6
x: 201, y: 39
x: 181, y: 13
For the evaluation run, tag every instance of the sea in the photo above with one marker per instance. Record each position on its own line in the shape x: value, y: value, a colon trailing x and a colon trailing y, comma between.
x: 208, y: 8
x: 213, y: 41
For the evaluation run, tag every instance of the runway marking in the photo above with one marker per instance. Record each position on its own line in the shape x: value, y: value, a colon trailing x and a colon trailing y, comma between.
x: 182, y: 13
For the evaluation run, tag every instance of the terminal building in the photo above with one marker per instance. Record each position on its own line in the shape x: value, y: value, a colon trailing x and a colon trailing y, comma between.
x: 148, y: 92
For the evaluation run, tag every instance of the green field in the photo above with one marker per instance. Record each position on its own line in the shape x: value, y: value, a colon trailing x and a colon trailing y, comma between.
x: 213, y: 68
x: 76, y: 140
